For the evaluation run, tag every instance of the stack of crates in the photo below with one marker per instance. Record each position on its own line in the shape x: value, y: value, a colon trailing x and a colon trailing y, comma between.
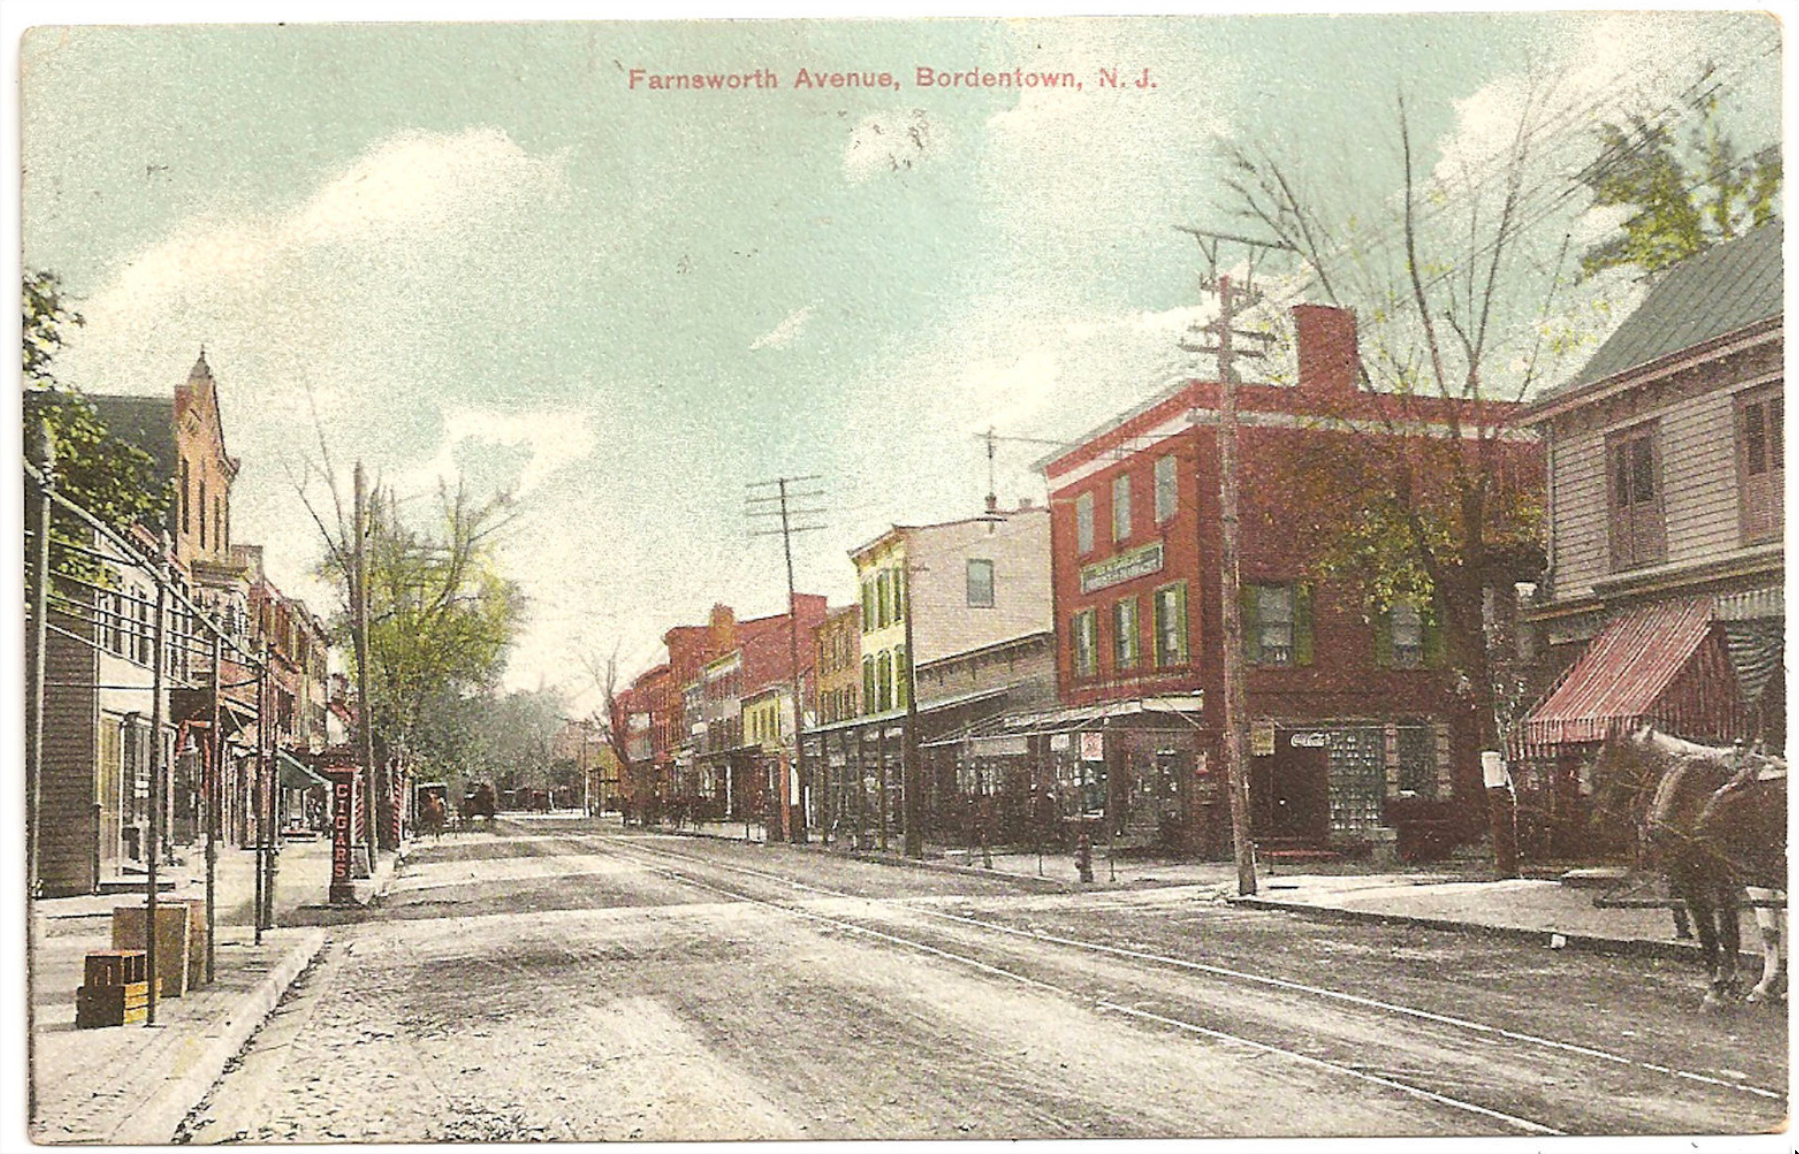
x: 117, y: 989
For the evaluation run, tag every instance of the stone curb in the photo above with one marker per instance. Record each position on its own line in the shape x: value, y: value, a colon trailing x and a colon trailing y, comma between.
x: 1634, y: 947
x: 203, y: 1059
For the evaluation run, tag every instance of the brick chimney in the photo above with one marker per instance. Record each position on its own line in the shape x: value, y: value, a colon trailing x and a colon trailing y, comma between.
x: 1327, y: 350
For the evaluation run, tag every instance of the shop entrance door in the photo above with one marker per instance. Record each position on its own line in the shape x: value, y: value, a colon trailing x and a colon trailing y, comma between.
x: 1288, y: 791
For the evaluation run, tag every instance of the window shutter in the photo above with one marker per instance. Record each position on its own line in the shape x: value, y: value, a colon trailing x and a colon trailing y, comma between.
x: 1302, y: 624
x: 1435, y: 650
x: 1184, y: 653
x: 1252, y: 633
x: 1383, y: 639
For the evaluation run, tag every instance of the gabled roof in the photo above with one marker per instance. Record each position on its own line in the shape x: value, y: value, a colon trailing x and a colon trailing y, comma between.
x: 146, y: 422
x: 1728, y: 287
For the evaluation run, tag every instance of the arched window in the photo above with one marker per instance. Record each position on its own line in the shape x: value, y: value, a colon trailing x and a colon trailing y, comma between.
x: 884, y: 688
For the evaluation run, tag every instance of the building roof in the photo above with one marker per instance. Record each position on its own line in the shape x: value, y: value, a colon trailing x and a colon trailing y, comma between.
x: 1728, y: 287
x: 146, y: 422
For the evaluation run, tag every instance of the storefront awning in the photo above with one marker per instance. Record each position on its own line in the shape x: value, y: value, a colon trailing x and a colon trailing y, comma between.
x: 1186, y: 707
x: 1663, y: 664
x: 296, y: 774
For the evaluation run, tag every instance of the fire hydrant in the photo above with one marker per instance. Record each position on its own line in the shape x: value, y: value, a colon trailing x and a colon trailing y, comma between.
x: 1083, y: 856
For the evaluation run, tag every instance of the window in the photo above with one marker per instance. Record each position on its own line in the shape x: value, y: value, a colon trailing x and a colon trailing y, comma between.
x: 883, y: 599
x: 1124, y: 634
x: 1405, y: 635
x: 899, y: 594
x: 868, y: 604
x: 185, y: 500
x: 1167, y: 496
x: 202, y: 517
x: 1416, y: 749
x: 1083, y: 523
x: 902, y: 678
x: 218, y: 523
x: 1121, y: 507
x: 884, y: 682
x: 1634, y: 479
x: 1761, y: 464
x: 1277, y: 624
x: 868, y: 683
x: 1086, y: 643
x: 980, y: 584
x: 1171, y: 625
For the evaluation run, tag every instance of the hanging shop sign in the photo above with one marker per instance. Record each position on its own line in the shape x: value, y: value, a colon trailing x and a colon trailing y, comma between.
x: 1093, y: 747
x: 1059, y: 742
x: 1126, y: 566
x: 1261, y: 738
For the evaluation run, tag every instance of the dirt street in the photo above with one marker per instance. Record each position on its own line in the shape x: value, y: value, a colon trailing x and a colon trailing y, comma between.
x: 603, y: 985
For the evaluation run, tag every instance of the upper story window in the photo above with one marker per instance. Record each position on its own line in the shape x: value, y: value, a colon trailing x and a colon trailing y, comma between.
x: 202, y: 517
x: 185, y: 499
x: 1634, y: 492
x: 1277, y: 624
x: 980, y: 583
x: 899, y: 593
x: 1167, y: 495
x: 1171, y: 625
x: 1085, y: 635
x: 883, y: 599
x: 1761, y: 464
x: 868, y: 683
x: 1083, y: 523
x: 868, y: 604
x: 1124, y: 634
x: 884, y: 682
x: 1121, y: 507
x: 902, y: 678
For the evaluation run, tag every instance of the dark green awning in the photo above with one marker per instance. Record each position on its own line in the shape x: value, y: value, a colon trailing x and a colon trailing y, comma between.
x: 296, y: 774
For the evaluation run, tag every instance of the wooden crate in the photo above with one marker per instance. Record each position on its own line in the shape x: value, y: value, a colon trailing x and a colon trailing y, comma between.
x: 173, y: 941
x: 116, y: 967
x: 97, y: 1006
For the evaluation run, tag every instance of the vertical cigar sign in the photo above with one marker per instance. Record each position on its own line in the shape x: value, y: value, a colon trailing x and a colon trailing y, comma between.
x: 343, y: 806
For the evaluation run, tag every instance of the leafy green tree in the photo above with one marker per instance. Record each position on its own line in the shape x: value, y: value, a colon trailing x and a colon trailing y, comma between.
x: 115, y: 481
x: 442, y: 618
x: 1688, y: 194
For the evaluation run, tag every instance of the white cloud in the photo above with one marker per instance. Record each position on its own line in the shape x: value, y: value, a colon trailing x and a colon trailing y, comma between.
x: 784, y: 333
x: 554, y: 439
x: 892, y: 141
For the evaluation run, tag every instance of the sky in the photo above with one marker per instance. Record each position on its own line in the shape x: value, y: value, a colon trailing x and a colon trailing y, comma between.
x: 481, y: 252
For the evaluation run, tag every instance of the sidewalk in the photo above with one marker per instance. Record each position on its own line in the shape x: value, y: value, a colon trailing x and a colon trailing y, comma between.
x: 133, y: 1085
x: 1549, y: 912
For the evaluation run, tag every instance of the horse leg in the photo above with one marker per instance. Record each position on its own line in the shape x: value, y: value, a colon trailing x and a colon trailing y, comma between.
x: 1730, y: 938
x: 1771, y: 922
x: 1699, y: 899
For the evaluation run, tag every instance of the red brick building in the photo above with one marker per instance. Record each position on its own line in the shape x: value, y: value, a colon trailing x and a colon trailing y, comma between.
x: 1354, y: 728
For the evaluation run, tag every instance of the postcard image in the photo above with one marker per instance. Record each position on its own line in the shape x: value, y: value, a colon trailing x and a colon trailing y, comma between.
x: 1201, y: 577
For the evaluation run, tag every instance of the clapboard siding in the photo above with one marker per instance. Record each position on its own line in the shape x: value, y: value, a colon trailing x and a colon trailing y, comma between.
x: 1697, y: 438
x: 1581, y: 532
x: 67, y: 836
x: 1699, y: 479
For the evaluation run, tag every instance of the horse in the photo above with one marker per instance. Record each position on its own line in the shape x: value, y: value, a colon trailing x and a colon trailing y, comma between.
x: 477, y: 802
x: 431, y: 815
x: 1744, y: 823
x: 1705, y: 824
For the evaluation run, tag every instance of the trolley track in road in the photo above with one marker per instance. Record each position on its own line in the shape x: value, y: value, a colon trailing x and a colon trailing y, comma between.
x: 1551, y: 1049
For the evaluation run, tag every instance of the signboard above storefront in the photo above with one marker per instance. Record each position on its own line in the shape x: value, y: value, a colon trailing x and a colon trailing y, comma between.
x: 1093, y: 747
x: 1126, y: 566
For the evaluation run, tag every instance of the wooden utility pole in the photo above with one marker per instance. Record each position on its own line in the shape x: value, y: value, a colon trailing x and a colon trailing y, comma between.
x: 1236, y: 737
x: 262, y: 745
x: 210, y: 786
x: 782, y: 496
x: 359, y: 613
x: 160, y: 639
x: 43, y: 455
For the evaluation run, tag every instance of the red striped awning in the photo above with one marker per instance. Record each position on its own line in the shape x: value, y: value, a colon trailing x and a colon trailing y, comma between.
x: 1663, y: 664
